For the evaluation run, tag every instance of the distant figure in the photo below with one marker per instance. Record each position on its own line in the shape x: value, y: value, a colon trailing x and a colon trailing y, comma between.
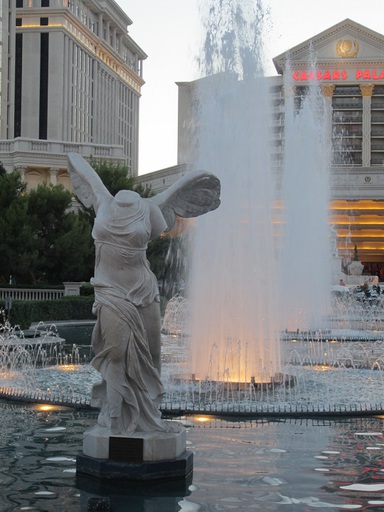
x: 126, y: 338
x: 341, y: 282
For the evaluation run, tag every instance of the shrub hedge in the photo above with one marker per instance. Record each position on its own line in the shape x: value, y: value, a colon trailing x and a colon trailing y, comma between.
x: 24, y: 312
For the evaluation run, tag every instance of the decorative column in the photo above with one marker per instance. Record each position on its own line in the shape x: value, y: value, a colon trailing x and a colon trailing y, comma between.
x: 113, y: 33
x: 101, y: 27
x: 21, y: 169
x: 53, y: 172
x: 366, y: 92
x: 328, y: 90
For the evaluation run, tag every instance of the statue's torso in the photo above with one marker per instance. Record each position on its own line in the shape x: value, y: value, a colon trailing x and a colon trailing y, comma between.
x: 121, y: 235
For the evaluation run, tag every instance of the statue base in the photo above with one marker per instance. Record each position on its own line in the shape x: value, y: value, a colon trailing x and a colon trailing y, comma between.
x: 139, y: 457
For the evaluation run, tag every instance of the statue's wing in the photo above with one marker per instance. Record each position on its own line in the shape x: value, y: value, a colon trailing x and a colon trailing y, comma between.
x: 87, y: 184
x: 196, y: 193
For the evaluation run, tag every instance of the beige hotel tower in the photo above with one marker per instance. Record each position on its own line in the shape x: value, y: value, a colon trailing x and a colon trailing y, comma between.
x: 71, y: 79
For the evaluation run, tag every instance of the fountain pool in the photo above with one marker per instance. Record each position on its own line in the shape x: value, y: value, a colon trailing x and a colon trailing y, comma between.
x: 322, y: 375
x: 291, y: 465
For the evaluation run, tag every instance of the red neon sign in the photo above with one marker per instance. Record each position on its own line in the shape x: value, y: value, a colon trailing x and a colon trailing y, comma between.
x: 369, y: 74
x: 336, y: 75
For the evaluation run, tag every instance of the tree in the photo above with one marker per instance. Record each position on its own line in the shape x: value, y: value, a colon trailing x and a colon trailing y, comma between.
x: 115, y: 177
x: 74, y: 250
x: 17, y: 243
x: 63, y: 237
x: 42, y: 240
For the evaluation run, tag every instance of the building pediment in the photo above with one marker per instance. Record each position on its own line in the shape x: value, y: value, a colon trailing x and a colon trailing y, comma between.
x: 345, y: 46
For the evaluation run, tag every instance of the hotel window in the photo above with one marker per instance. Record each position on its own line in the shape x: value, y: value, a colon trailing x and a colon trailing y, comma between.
x: 18, y: 22
x: 43, y: 22
x: 347, y: 118
x: 19, y: 3
x: 44, y: 3
x: 377, y: 125
x: 300, y: 95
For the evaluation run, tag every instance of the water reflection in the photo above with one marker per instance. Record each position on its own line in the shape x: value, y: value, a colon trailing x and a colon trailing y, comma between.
x: 238, y: 465
x: 354, y: 464
x: 161, y: 497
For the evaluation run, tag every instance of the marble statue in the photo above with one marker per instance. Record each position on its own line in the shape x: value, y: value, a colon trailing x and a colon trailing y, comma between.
x: 126, y: 338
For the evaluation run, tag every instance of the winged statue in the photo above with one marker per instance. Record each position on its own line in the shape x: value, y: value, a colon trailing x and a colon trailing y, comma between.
x: 126, y: 340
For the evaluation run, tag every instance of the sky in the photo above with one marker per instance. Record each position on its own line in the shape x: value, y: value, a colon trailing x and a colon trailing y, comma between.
x: 169, y: 33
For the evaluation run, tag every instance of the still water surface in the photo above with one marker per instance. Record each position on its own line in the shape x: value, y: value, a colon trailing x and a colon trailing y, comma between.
x: 238, y: 465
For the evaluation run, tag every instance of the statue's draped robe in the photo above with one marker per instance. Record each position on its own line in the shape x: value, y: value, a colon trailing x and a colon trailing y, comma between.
x: 131, y: 388
x: 126, y: 291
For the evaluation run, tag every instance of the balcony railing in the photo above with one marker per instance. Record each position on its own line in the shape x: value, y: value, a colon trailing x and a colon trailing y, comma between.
x: 30, y: 294
x: 70, y: 288
x: 58, y: 147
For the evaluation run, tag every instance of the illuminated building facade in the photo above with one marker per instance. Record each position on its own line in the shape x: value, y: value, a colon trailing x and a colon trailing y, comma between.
x: 349, y: 70
x: 71, y: 81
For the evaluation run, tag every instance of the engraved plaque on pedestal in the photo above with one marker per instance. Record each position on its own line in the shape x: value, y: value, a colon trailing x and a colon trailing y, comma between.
x: 126, y: 449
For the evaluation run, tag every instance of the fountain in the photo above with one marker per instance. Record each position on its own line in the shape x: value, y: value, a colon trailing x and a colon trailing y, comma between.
x: 21, y: 348
x: 305, y: 257
x: 254, y: 336
x: 252, y: 280
x: 37, y: 366
x: 265, y: 336
x: 233, y: 283
x: 175, y: 316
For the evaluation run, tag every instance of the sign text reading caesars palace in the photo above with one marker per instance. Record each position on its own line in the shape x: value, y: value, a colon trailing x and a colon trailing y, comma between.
x: 335, y: 75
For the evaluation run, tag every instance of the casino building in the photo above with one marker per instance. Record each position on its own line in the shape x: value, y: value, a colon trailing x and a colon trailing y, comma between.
x: 71, y: 79
x: 349, y: 70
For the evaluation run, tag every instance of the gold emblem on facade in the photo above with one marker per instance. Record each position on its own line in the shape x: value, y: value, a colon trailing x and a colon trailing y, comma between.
x: 347, y: 48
